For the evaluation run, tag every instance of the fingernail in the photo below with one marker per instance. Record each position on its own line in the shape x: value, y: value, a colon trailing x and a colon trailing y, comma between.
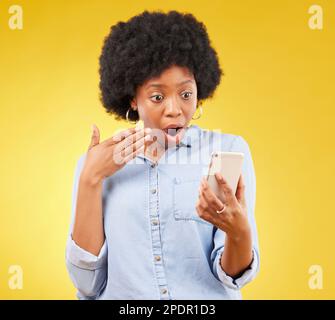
x: 147, y: 138
x: 219, y: 176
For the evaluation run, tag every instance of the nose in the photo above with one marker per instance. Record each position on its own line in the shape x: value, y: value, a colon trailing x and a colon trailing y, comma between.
x: 172, y: 109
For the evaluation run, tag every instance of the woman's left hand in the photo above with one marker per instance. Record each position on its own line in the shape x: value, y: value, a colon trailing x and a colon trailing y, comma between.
x: 233, y: 220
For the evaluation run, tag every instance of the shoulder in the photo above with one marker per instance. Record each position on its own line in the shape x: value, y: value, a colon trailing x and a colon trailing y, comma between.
x: 226, y: 141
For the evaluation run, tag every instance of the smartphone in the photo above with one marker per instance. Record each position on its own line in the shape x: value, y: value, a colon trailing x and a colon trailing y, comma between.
x: 229, y: 164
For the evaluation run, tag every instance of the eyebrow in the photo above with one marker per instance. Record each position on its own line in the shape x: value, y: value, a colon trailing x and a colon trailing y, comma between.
x: 163, y: 85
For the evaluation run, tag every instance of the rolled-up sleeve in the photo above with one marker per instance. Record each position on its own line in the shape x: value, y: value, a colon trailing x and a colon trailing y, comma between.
x: 236, y: 283
x: 248, y: 172
x: 87, y: 271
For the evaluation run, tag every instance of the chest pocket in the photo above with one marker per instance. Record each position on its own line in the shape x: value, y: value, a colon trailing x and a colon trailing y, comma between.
x: 185, y: 197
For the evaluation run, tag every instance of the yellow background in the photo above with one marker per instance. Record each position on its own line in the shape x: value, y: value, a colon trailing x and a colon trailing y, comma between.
x: 277, y: 92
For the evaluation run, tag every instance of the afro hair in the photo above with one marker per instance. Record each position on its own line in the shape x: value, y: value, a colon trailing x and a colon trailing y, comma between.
x: 146, y: 45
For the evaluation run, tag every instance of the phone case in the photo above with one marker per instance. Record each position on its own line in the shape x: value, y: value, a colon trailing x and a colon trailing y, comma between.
x: 229, y: 164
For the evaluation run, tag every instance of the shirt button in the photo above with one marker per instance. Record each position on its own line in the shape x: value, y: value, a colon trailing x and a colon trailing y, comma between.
x: 164, y: 291
x: 153, y: 165
x: 157, y: 258
x: 153, y: 191
x: 155, y: 222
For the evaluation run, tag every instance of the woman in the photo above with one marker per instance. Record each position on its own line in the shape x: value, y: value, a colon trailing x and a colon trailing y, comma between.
x: 145, y: 224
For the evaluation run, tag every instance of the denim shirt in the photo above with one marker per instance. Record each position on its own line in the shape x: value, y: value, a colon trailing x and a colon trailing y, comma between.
x: 156, y: 245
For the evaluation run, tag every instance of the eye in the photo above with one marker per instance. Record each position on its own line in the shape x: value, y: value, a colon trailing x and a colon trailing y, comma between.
x: 155, y: 96
x: 187, y: 95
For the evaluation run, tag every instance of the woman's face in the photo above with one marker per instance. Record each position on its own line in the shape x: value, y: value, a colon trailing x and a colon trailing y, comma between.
x: 167, y: 101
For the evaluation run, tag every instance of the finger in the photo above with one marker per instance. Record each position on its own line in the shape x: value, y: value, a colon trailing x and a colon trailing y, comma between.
x: 240, y: 191
x: 203, y: 203
x: 133, y: 154
x: 130, y: 145
x: 120, y: 136
x: 201, y: 208
x: 204, y: 210
x: 134, y: 146
x: 223, y: 185
x: 95, y: 137
x: 214, y: 202
x: 130, y: 140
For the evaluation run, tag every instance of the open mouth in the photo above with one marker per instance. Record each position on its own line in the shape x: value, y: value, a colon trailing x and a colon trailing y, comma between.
x: 173, y: 131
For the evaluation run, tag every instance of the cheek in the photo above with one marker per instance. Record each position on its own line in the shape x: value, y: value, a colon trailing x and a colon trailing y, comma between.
x: 189, y: 111
x: 149, y: 115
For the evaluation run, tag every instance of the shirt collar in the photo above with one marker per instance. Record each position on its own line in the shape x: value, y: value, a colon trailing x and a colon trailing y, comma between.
x: 190, y: 136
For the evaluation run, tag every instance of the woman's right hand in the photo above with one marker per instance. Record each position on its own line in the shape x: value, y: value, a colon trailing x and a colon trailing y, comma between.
x: 105, y: 158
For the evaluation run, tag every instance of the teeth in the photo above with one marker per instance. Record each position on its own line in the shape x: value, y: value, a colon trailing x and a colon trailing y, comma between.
x: 172, y: 131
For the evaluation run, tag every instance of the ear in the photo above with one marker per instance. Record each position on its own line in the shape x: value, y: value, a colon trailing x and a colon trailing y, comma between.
x: 133, y: 104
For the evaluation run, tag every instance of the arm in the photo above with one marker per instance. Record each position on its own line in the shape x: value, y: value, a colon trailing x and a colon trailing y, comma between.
x: 238, y: 280
x: 235, y: 257
x: 86, y: 251
x: 86, y: 256
x: 88, y: 227
x: 236, y: 260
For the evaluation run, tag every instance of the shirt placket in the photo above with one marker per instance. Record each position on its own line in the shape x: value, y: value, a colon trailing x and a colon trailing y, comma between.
x: 155, y: 233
